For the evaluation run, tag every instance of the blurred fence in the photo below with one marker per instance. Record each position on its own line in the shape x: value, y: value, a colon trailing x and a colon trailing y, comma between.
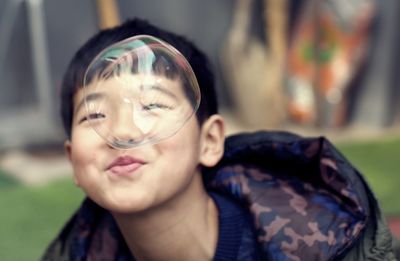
x: 38, y: 38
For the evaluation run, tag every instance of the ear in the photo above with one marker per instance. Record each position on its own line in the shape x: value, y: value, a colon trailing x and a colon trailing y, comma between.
x: 212, y: 141
x: 68, y: 152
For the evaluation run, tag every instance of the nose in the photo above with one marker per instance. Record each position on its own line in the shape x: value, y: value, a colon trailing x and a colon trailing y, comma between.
x: 125, y: 131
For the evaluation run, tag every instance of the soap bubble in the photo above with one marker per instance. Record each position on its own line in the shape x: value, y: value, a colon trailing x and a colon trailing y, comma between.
x: 139, y: 91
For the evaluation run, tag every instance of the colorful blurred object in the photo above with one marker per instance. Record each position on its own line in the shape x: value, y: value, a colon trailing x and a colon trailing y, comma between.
x: 327, y: 50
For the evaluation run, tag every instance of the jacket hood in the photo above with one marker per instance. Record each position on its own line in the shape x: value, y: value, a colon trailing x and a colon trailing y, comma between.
x: 307, y: 201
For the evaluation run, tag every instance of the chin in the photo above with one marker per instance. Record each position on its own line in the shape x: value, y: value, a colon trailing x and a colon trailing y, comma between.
x: 125, y: 206
x: 125, y: 210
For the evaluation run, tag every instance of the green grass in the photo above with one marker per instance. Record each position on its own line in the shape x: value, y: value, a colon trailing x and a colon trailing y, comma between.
x: 379, y: 161
x: 31, y: 217
x: 6, y: 181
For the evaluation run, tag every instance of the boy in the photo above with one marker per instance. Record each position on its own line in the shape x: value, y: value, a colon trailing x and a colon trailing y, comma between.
x: 193, y: 195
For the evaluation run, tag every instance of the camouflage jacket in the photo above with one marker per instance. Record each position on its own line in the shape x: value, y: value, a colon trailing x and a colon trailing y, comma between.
x: 307, y: 203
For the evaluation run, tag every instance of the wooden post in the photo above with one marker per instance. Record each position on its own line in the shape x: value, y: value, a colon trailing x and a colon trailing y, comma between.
x: 107, y: 11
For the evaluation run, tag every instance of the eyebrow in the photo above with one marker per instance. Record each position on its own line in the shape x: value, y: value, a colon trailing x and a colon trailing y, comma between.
x: 159, y: 88
x: 90, y: 97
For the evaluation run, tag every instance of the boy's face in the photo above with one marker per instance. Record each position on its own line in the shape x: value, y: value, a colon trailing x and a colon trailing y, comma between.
x: 144, y: 177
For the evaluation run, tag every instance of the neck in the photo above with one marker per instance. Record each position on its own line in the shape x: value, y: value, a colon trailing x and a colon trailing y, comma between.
x: 184, y: 228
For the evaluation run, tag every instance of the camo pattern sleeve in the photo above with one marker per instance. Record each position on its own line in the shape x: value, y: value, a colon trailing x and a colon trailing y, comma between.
x: 91, y: 234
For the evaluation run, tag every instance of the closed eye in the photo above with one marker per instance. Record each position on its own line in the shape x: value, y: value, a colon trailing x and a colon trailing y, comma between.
x: 154, y: 106
x: 93, y: 116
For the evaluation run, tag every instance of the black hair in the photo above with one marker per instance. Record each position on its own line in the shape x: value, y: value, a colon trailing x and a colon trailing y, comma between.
x: 73, y: 77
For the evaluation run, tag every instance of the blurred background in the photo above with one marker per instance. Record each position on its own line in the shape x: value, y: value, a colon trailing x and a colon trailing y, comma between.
x: 314, y: 67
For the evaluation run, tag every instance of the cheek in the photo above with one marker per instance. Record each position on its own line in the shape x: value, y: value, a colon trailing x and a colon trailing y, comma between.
x: 83, y: 159
x: 82, y: 168
x: 182, y: 150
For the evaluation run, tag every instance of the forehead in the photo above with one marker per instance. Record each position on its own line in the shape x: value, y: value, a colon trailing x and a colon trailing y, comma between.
x: 135, y: 82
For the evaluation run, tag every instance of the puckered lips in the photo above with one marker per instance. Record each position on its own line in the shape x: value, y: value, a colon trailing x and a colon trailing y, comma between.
x: 125, y: 165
